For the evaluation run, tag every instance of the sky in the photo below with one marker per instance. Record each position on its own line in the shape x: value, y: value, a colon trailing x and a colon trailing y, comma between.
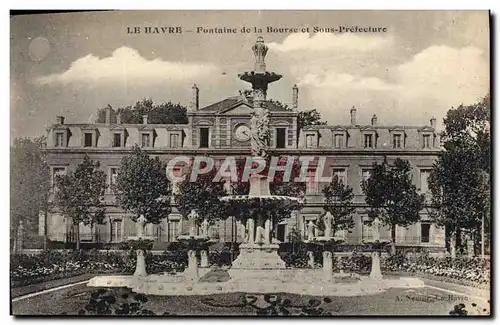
x: 72, y: 64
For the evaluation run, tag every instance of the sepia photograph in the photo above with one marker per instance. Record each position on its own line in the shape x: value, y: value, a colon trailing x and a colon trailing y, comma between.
x: 250, y: 163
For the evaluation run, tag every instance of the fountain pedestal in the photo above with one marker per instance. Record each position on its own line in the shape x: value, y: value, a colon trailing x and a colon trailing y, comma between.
x: 375, y: 273
x: 258, y: 257
x: 140, y: 266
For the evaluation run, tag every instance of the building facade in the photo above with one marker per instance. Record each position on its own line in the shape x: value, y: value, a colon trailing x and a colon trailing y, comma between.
x: 221, y: 129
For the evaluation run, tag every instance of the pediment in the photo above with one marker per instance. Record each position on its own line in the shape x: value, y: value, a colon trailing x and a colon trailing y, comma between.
x: 338, y: 128
x: 426, y: 129
x: 397, y: 129
x: 239, y: 108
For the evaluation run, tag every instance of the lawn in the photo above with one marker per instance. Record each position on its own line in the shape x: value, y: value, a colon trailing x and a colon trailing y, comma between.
x: 425, y: 301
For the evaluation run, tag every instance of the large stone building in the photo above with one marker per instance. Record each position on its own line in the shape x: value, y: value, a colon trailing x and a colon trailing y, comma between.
x: 219, y: 130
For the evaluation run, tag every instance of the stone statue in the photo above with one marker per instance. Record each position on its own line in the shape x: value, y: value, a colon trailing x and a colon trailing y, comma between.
x: 376, y: 229
x: 242, y: 231
x: 260, y: 50
x: 250, y: 228
x: 139, y: 224
x: 310, y: 230
x: 327, y: 220
x: 204, y: 228
x: 267, y: 228
x: 193, y: 217
x: 260, y: 235
x: 259, y: 130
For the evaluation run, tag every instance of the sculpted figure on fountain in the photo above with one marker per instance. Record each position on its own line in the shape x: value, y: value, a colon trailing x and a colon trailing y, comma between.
x: 327, y: 220
x: 204, y: 228
x: 139, y: 226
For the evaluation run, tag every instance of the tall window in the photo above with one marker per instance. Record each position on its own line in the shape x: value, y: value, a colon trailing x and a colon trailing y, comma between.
x: 204, y: 140
x: 426, y: 138
x: 368, y: 140
x: 425, y: 231
x: 424, y: 179
x: 311, y: 185
x: 56, y: 171
x: 117, y: 140
x: 340, y: 173
x: 145, y: 140
x: 367, y: 230
x: 396, y: 141
x: 174, y: 140
x: 339, y: 140
x: 59, y: 139
x: 310, y: 141
x: 116, y: 230
x: 88, y: 140
x: 280, y: 137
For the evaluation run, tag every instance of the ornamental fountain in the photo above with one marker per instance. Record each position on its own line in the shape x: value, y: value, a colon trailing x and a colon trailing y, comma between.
x: 259, y: 268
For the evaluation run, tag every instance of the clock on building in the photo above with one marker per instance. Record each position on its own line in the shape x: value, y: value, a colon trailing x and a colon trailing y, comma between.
x: 242, y: 132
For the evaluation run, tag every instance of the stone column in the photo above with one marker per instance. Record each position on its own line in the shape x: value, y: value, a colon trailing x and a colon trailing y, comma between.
x: 453, y: 248
x: 204, y: 258
x: 310, y: 262
x: 140, y: 266
x: 20, y: 236
x: 375, y: 273
x: 327, y: 266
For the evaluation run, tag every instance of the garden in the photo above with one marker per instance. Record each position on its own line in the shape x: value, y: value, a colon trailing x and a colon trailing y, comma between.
x: 54, y: 264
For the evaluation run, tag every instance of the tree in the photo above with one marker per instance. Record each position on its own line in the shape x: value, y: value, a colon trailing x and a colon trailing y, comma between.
x: 30, y: 183
x: 339, y: 202
x: 142, y: 187
x: 304, y: 118
x: 164, y: 113
x: 203, y: 196
x: 460, y: 195
x: 80, y: 195
x: 460, y: 178
x: 309, y: 117
x: 392, y: 197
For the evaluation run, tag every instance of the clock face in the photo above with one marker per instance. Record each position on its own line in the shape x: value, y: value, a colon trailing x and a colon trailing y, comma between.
x: 242, y: 132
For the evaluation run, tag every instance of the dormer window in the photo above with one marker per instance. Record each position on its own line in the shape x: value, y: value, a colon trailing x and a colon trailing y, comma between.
x: 339, y: 140
x: 88, y: 140
x: 59, y: 139
x: 426, y: 141
x: 311, y: 139
x: 175, y: 139
x: 89, y: 137
x: 145, y: 140
x: 117, y: 140
x: 396, y: 141
x: 369, y: 141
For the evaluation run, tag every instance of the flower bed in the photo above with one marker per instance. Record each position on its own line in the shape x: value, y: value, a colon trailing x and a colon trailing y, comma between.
x: 51, y: 265
x: 465, y: 271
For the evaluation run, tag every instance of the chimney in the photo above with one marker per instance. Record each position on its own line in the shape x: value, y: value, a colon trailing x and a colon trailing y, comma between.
x: 108, y: 115
x: 353, y: 116
x: 60, y: 120
x: 433, y: 122
x: 195, y: 100
x: 145, y: 119
x: 374, y: 120
x: 119, y: 118
x: 295, y: 97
